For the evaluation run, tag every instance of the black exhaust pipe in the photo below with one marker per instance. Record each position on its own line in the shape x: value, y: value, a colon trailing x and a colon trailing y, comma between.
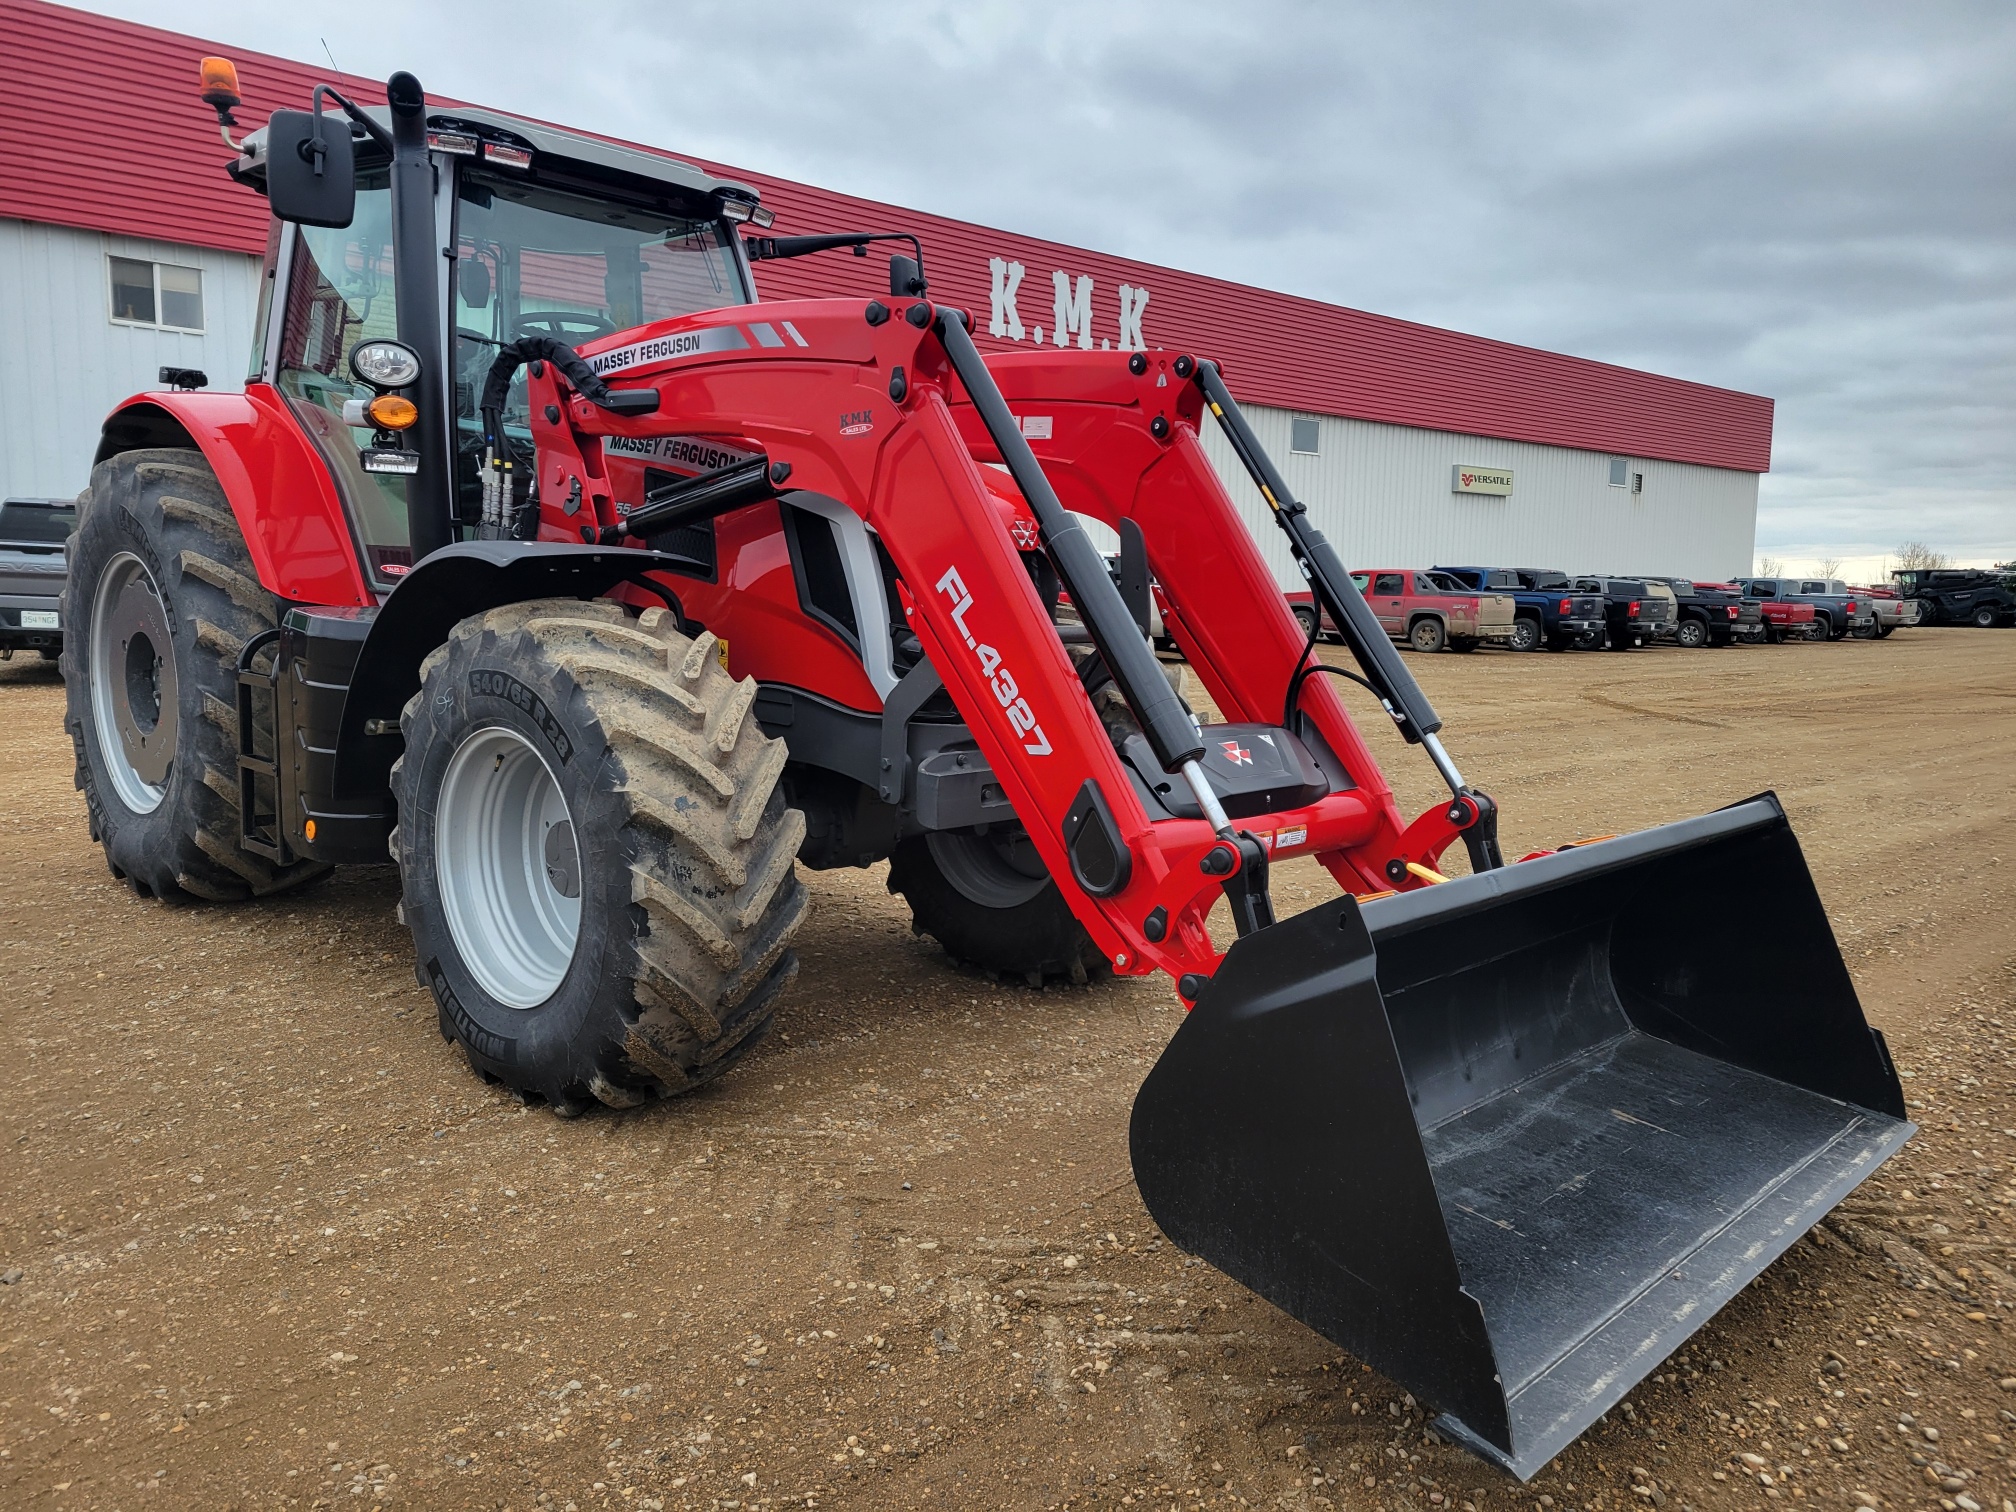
x: 416, y: 273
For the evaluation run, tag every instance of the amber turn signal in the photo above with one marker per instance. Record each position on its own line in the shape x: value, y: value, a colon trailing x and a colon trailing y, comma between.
x: 220, y: 83
x: 392, y: 412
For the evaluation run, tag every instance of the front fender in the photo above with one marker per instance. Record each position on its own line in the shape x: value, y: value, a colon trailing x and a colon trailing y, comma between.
x: 447, y: 587
x: 279, y: 487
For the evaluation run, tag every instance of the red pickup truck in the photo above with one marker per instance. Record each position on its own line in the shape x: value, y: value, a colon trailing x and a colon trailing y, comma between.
x: 1424, y: 610
x: 1783, y: 620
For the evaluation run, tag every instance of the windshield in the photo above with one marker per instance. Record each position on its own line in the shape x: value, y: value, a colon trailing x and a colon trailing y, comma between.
x: 534, y: 260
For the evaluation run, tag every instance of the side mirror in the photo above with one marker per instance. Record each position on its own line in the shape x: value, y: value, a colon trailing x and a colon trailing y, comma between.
x: 474, y: 282
x: 311, y: 173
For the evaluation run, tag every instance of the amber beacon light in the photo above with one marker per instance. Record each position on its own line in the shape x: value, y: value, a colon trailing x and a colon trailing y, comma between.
x: 220, y: 92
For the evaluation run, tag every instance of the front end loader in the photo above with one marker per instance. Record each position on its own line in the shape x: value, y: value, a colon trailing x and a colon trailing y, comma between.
x: 602, y: 597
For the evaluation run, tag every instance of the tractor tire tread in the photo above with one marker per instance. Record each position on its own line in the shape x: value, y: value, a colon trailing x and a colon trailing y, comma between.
x: 176, y: 506
x: 714, y: 895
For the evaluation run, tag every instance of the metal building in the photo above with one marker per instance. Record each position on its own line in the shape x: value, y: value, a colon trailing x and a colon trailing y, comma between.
x: 124, y: 248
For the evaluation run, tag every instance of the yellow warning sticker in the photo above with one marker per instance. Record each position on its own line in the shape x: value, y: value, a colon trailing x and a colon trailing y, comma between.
x: 721, y: 651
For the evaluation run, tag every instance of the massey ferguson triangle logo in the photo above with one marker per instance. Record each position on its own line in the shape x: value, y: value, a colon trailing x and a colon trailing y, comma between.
x: 1235, y: 753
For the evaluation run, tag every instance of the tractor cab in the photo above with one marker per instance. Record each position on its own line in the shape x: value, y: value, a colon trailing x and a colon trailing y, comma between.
x: 553, y: 233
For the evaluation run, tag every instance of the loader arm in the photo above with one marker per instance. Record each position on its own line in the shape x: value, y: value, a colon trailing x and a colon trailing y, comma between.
x: 868, y: 411
x: 1118, y: 438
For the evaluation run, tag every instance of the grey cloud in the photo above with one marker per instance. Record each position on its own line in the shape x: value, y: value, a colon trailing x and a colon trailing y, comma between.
x: 1811, y: 201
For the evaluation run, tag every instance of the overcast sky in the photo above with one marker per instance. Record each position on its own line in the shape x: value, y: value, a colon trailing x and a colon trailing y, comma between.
x: 1811, y: 201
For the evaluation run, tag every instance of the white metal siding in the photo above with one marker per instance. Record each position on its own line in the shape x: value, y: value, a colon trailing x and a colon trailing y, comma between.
x: 1381, y: 494
x: 64, y: 364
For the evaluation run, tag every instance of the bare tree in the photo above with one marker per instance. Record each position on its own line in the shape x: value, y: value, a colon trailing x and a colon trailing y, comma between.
x: 1770, y: 567
x: 1916, y: 556
x: 1828, y: 567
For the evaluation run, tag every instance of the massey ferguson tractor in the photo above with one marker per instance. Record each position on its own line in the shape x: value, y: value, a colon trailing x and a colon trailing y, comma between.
x: 540, y: 556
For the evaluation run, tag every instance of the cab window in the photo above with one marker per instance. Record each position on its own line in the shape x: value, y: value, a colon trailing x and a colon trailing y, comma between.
x: 339, y: 292
x: 1389, y: 583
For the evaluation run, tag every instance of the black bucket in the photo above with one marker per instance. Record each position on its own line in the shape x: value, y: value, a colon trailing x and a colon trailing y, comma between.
x: 1511, y: 1139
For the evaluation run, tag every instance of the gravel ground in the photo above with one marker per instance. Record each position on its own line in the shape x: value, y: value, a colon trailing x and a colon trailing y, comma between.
x: 267, y: 1242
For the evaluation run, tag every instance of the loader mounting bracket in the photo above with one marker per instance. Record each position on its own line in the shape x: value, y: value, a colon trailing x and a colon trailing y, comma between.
x: 1246, y: 888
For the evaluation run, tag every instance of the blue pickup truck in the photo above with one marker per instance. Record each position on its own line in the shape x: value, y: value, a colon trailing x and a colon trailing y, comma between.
x: 1836, y: 608
x: 1549, y: 612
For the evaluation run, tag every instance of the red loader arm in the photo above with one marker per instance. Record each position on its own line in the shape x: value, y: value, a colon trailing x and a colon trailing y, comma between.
x: 863, y: 412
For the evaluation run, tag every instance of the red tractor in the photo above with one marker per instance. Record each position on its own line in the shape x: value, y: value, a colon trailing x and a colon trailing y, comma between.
x: 541, y: 556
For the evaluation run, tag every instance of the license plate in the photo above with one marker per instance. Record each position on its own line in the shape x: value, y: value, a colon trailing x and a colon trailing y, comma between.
x: 40, y: 619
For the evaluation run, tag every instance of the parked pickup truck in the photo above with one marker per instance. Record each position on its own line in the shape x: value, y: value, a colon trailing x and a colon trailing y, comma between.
x: 1430, y: 610
x: 1632, y: 613
x: 1891, y: 610
x: 32, y: 571
x: 1836, y: 609
x: 1712, y: 616
x: 1784, y: 619
x: 1546, y: 612
x: 1959, y: 596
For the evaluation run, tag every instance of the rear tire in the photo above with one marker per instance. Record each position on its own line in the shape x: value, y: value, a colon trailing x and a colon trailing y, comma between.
x: 1464, y: 643
x: 1985, y: 618
x: 1526, y: 634
x: 597, y: 860
x: 162, y: 596
x: 1427, y: 635
x: 990, y: 903
x: 1691, y: 633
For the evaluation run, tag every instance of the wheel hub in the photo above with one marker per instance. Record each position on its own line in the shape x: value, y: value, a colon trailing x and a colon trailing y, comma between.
x: 993, y: 870
x: 133, y: 683
x: 509, y: 867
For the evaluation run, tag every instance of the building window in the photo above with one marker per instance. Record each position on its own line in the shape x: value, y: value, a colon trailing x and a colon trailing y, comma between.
x: 156, y: 294
x: 1620, y: 472
x: 1303, y: 434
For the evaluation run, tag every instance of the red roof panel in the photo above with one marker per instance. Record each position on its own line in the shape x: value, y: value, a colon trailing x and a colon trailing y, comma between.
x: 113, y: 138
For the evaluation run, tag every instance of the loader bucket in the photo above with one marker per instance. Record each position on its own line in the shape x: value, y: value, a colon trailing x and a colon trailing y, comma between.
x: 1511, y: 1139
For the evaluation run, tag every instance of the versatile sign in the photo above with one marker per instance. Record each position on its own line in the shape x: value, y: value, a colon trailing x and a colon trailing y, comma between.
x: 1464, y: 478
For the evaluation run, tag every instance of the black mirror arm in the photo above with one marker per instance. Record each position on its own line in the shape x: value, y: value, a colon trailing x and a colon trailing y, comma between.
x: 773, y: 248
x: 376, y: 132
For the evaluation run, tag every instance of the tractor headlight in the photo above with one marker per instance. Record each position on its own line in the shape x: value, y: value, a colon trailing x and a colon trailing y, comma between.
x: 385, y: 364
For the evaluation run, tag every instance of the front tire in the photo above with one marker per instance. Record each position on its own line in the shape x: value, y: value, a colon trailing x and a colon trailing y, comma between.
x: 596, y: 856
x: 162, y: 595
x: 1985, y: 618
x: 989, y: 901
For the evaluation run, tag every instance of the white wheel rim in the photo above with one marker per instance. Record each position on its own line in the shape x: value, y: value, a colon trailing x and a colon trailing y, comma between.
x: 508, y: 865
x: 133, y: 683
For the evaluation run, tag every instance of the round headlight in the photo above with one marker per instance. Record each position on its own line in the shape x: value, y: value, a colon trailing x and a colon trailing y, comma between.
x: 385, y: 364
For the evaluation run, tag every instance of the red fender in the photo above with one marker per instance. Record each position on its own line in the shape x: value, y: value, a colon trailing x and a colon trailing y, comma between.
x: 278, y: 485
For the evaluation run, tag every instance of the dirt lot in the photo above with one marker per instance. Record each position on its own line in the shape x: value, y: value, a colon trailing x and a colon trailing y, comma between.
x: 268, y: 1242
